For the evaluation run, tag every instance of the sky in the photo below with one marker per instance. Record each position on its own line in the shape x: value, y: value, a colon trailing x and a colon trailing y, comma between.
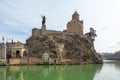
x: 19, y: 17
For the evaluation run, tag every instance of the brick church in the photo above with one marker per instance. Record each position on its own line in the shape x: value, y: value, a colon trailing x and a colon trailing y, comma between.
x: 75, y: 25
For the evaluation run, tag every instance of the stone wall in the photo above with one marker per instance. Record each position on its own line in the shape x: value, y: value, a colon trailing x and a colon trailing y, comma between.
x: 14, y: 61
x: 25, y: 61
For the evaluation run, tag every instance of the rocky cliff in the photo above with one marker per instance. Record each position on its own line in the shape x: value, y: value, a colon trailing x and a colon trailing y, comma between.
x: 68, y: 49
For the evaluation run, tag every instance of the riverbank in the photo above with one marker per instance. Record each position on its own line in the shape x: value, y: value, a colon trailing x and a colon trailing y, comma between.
x: 38, y: 61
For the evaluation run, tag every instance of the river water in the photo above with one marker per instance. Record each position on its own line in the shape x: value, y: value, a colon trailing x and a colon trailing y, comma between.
x: 110, y: 70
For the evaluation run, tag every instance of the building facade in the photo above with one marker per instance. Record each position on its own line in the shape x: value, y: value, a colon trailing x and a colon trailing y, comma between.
x: 18, y: 50
x: 15, y: 50
x: 75, y: 25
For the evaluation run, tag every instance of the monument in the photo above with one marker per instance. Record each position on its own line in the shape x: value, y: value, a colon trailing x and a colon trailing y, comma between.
x: 43, y: 28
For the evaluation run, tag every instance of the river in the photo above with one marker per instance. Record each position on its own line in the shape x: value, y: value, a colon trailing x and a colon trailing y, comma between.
x: 110, y: 70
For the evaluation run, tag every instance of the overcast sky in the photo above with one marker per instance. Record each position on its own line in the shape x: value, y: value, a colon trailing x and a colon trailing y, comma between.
x: 18, y: 17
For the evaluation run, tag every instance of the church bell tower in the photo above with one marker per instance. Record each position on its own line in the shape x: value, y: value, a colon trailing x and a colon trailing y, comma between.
x: 75, y: 25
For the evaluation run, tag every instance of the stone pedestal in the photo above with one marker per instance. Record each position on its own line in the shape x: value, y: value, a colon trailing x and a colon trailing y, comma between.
x: 43, y: 29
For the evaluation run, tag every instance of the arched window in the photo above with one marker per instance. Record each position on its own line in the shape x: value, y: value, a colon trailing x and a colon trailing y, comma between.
x: 18, y: 54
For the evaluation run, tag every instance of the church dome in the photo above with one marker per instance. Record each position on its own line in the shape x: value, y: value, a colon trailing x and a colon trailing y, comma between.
x: 75, y: 13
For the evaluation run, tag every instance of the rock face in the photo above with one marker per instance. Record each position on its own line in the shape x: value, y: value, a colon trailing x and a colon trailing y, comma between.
x: 66, y: 49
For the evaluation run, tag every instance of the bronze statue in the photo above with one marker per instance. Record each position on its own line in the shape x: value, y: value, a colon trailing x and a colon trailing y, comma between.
x: 43, y: 20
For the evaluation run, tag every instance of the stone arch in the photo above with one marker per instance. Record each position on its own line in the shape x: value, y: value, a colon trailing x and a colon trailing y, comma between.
x: 53, y: 54
x: 24, y: 53
x: 18, y: 54
x: 9, y: 56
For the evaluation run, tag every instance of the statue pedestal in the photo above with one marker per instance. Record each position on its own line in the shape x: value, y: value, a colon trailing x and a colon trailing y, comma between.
x: 43, y: 29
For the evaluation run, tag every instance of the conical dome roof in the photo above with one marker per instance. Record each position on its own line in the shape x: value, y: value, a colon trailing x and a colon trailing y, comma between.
x: 75, y: 13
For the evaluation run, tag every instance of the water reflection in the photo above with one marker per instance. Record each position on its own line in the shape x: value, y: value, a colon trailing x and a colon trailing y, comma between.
x: 47, y: 72
x: 109, y: 71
